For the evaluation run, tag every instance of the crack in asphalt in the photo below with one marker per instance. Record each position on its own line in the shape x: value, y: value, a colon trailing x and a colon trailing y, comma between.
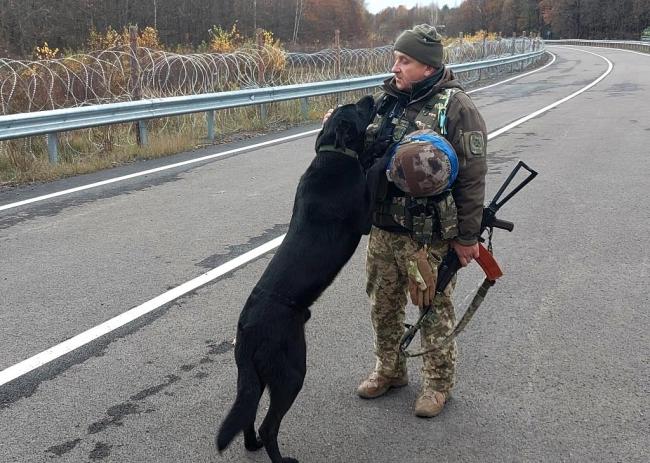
x: 116, y: 414
x: 27, y: 385
x: 235, y: 250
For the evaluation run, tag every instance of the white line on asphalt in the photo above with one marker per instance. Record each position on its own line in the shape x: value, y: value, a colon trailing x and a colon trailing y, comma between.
x: 610, y: 66
x: 90, y: 335
x: 205, y: 158
x: 517, y: 77
x: 79, y: 340
x: 159, y: 169
x: 606, y: 48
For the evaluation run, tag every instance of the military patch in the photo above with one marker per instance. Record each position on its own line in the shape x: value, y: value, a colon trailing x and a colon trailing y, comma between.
x: 400, y: 130
x: 475, y: 143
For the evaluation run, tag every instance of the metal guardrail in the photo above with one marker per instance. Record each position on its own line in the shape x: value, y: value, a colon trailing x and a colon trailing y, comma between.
x: 59, y: 120
x: 622, y: 44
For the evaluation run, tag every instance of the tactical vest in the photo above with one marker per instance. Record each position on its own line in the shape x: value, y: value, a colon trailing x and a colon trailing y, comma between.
x: 428, y: 217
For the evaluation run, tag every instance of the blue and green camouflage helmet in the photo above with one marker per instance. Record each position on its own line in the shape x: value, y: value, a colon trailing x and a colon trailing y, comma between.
x: 423, y: 164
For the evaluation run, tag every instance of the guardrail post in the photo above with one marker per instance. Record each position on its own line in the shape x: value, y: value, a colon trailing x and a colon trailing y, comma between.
x: 209, y: 115
x: 52, y: 149
x: 143, y: 136
x: 304, y: 107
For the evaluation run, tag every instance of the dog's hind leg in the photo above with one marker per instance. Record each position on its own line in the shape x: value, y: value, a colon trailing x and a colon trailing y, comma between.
x: 282, y: 397
x: 251, y: 441
x: 242, y: 414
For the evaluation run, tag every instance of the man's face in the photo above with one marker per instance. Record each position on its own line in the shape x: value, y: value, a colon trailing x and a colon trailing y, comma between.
x: 409, y: 71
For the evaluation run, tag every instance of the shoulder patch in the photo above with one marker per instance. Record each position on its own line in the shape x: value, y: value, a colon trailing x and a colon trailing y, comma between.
x: 474, y: 143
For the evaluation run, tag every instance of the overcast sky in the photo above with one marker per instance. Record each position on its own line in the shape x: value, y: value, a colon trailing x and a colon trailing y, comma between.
x: 375, y: 6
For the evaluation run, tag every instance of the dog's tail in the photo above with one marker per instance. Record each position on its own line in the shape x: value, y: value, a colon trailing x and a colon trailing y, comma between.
x: 243, y: 412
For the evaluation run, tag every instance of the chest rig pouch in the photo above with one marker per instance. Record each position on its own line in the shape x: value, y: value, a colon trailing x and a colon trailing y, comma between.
x: 389, y: 125
x: 426, y: 218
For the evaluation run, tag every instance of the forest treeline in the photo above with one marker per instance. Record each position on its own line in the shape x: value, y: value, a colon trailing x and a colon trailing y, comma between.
x: 305, y: 24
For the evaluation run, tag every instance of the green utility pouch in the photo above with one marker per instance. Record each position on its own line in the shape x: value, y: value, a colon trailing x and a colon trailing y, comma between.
x: 425, y: 218
x: 401, y: 127
x: 447, y: 215
x: 393, y: 212
x: 423, y: 228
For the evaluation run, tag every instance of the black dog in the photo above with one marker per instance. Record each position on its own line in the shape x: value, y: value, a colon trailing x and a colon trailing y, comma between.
x: 330, y: 213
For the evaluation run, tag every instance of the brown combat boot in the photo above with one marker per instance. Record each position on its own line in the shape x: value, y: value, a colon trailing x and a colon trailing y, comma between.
x: 377, y: 385
x: 430, y: 403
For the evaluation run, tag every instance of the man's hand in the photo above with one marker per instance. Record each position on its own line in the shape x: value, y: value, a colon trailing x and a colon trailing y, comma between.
x: 465, y: 253
x: 421, y: 279
x: 328, y: 114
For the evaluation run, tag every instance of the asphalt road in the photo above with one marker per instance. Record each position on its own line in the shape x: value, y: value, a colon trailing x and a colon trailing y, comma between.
x: 554, y: 367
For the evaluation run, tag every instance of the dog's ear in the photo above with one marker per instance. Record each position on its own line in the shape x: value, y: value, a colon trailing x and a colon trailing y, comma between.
x: 318, y: 139
x: 343, y: 129
x: 365, y: 107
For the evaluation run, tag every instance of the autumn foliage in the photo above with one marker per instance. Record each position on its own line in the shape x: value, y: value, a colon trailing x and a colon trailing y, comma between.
x: 73, y: 26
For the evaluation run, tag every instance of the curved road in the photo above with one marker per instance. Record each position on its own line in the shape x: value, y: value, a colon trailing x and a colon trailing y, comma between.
x: 554, y: 367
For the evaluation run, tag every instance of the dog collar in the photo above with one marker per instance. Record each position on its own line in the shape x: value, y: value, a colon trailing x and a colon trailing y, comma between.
x: 334, y: 149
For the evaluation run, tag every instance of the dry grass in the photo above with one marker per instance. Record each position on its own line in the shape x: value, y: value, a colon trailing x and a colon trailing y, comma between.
x: 84, y: 151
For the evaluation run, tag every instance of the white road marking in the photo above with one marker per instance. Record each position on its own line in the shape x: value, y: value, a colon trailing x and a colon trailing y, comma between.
x: 159, y: 169
x: 610, y: 66
x: 606, y: 48
x: 517, y: 77
x: 79, y: 340
x: 205, y: 158
x: 38, y: 360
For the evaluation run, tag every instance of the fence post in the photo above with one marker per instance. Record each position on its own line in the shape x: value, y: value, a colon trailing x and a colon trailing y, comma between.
x: 337, y: 63
x: 523, y: 48
x: 136, y: 90
x: 52, y: 150
x: 484, y: 45
x: 514, y: 50
x: 480, y: 72
x: 337, y: 47
x: 259, y: 37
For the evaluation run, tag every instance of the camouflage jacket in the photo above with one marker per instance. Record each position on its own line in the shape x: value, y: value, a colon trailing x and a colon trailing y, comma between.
x: 467, y: 133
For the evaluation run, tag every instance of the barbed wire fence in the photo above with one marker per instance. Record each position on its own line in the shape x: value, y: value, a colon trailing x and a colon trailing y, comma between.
x: 128, y: 73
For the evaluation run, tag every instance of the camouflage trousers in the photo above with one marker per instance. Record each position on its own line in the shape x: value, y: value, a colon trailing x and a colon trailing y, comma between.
x: 387, y: 287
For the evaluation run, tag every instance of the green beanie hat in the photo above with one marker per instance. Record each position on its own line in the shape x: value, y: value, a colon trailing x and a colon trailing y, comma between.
x: 422, y: 43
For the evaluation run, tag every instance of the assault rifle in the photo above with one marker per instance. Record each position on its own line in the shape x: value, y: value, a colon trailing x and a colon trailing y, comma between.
x: 451, y: 264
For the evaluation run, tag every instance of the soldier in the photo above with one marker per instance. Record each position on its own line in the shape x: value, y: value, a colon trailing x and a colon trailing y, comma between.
x: 415, y: 228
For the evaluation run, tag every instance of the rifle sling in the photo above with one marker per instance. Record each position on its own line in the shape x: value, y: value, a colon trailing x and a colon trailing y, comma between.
x: 460, y: 326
